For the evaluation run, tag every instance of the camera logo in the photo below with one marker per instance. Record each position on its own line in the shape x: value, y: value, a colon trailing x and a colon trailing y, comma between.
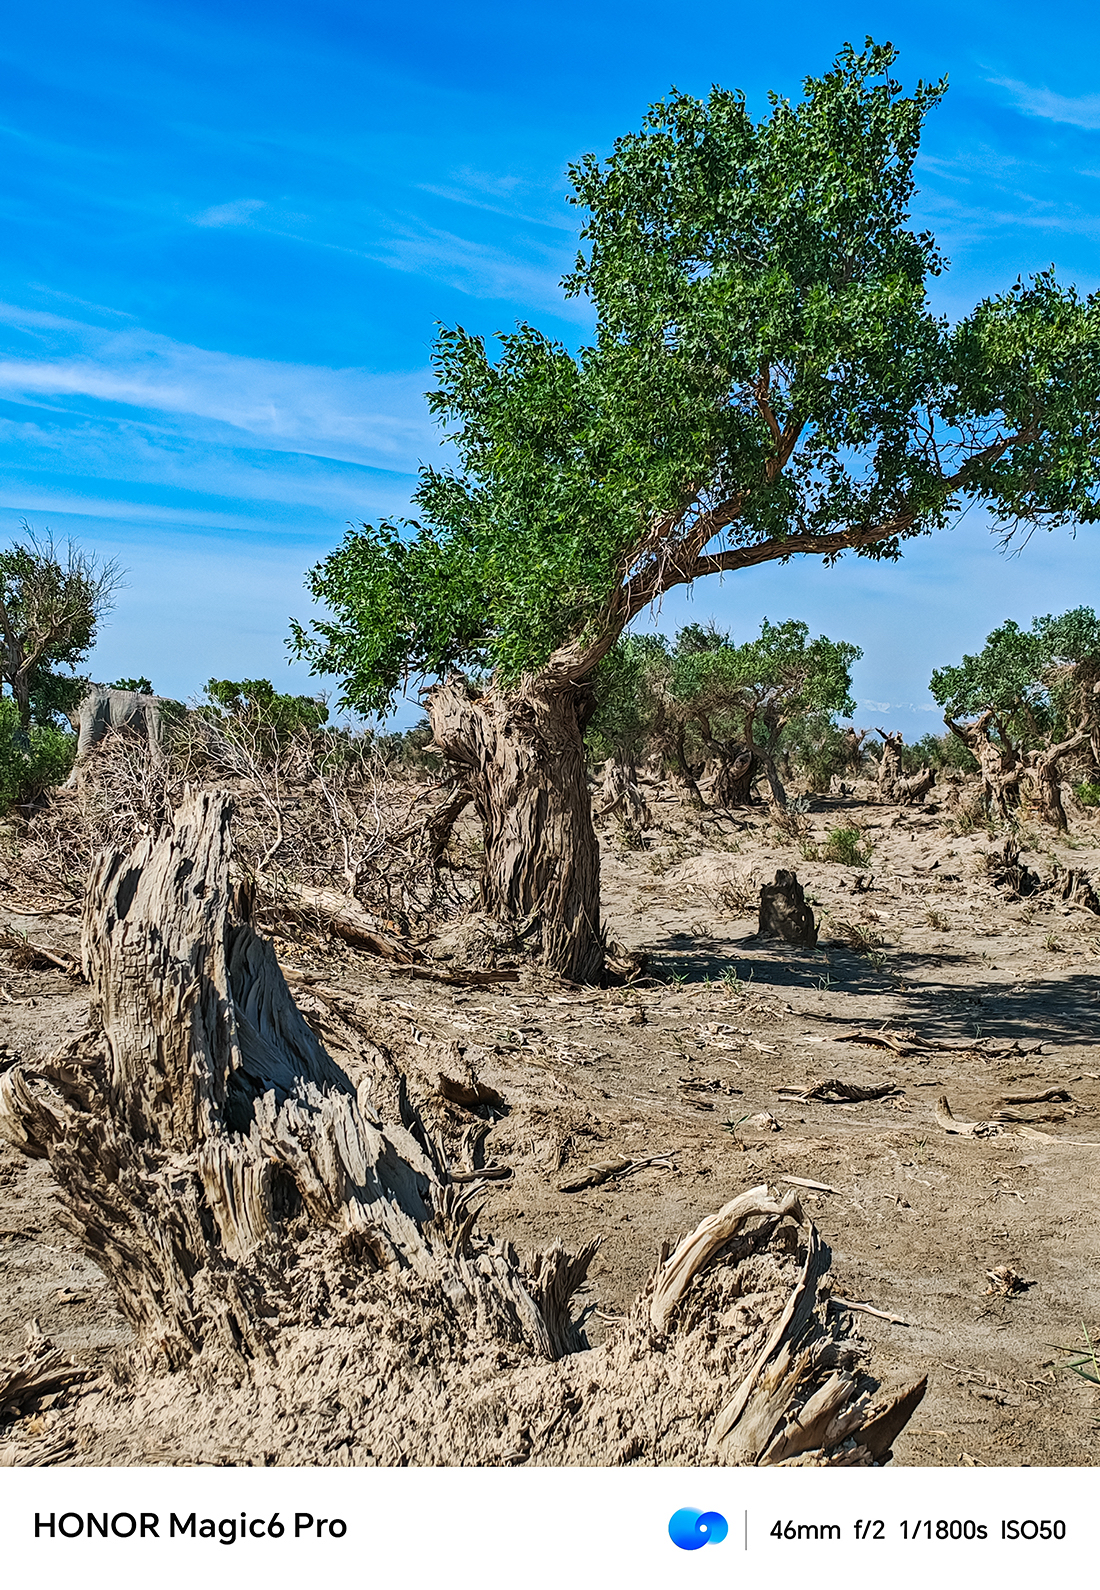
x: 689, y: 1529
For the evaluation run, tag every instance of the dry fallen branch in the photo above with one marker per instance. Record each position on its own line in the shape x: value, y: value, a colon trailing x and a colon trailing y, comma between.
x: 612, y: 1169
x: 867, y: 1308
x: 878, y: 1040
x: 1046, y: 1137
x: 1051, y: 1096
x: 832, y: 1091
x: 31, y: 956
x: 950, y: 1123
x: 304, y: 1286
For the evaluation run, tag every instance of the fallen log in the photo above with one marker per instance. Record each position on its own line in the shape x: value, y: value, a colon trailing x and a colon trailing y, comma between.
x: 305, y: 1286
x: 342, y: 915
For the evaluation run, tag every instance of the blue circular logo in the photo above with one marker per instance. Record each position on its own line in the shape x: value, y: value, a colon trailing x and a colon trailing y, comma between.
x: 689, y: 1529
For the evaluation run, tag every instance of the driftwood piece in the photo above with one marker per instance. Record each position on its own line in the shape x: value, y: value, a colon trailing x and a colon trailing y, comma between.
x: 303, y: 1264
x: 1075, y: 886
x: 867, y: 1308
x: 952, y: 1124
x: 784, y: 913
x: 878, y: 1040
x: 25, y: 952
x: 612, y: 1170
x: 832, y: 1091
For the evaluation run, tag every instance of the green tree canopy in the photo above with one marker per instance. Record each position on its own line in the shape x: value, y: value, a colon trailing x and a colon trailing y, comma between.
x: 51, y: 601
x: 1032, y: 680
x: 708, y: 694
x: 256, y: 706
x: 766, y: 378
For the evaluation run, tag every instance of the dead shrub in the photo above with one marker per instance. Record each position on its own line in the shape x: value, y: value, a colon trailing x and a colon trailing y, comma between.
x: 317, y: 811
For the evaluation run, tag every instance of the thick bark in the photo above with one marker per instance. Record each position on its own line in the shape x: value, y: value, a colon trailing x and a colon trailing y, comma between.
x: 622, y: 797
x: 522, y: 755
x: 733, y: 781
x: 1040, y: 784
x: 997, y: 759
x: 853, y: 749
x: 771, y: 773
x: 784, y: 913
x: 893, y: 784
x: 311, y: 1266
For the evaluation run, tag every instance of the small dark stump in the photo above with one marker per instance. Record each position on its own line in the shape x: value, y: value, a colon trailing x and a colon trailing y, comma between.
x: 784, y: 913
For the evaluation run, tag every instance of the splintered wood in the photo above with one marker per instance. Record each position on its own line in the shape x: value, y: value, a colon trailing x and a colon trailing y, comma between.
x: 307, y: 1282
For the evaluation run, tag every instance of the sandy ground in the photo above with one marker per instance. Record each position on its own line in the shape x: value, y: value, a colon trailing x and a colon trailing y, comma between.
x: 925, y: 978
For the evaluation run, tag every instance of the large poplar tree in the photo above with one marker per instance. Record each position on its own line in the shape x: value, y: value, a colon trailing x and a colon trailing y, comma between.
x: 766, y: 379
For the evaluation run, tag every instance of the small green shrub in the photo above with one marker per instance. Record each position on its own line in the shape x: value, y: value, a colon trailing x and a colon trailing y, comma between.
x: 1088, y: 794
x: 843, y: 846
x: 31, y: 760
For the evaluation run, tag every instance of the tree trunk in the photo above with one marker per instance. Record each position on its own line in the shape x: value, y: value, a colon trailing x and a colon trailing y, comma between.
x: 522, y: 753
x: 893, y: 785
x: 998, y: 761
x: 1042, y: 786
x: 306, y: 1283
x: 771, y: 772
x: 682, y: 774
x: 733, y: 781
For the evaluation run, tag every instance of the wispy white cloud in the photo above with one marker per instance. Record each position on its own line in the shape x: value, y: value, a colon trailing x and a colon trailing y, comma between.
x: 478, y: 269
x: 1075, y: 111
x: 498, y: 195
x: 353, y: 415
x: 237, y: 213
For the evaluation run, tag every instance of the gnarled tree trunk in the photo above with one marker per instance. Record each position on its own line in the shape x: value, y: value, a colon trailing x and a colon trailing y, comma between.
x: 522, y: 754
x: 682, y: 773
x: 314, y: 1284
x: 997, y: 759
x: 733, y: 781
x: 1041, y: 784
x: 893, y: 784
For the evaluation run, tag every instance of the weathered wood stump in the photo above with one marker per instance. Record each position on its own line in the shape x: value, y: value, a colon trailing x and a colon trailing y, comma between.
x: 784, y: 913
x: 307, y: 1286
x: 893, y: 784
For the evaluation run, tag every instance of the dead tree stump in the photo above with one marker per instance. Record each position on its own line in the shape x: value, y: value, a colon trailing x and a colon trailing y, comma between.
x: 784, y: 913
x: 305, y: 1283
x: 892, y: 783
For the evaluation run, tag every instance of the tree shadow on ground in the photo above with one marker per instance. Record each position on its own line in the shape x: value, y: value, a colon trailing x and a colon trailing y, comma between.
x: 1061, y: 1010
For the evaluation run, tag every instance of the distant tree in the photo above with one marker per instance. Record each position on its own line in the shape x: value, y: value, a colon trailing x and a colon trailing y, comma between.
x: 268, y: 716
x: 31, y: 759
x: 52, y: 598
x: 140, y: 687
x: 1033, y: 697
x: 733, y: 705
x: 743, y: 699
x: 766, y: 379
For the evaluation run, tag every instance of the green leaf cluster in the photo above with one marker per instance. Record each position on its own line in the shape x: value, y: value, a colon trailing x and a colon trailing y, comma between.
x: 51, y: 601
x: 765, y: 379
x: 719, y: 692
x: 255, y: 708
x: 31, y: 760
x: 1032, y: 680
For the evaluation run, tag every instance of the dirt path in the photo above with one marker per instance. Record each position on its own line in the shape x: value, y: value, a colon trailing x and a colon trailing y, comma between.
x: 983, y: 999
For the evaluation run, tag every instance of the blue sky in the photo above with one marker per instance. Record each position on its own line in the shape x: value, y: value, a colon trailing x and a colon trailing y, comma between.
x: 229, y: 231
